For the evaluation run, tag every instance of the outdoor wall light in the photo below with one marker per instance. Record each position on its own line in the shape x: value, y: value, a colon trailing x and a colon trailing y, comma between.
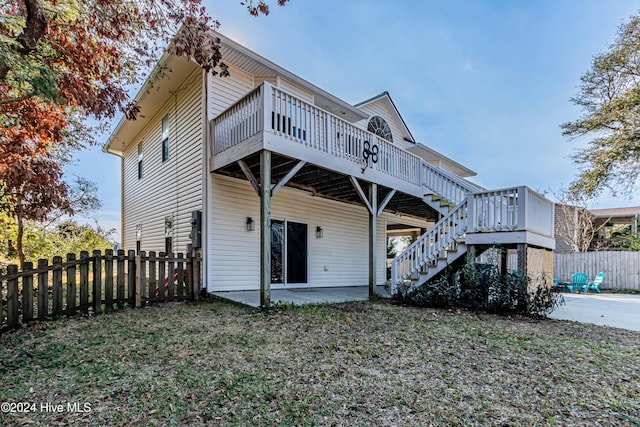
x: 319, y: 232
x: 251, y: 225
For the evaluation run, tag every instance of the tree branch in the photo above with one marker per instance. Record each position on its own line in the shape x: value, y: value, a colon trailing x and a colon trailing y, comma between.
x: 12, y: 100
x: 36, y: 24
x: 35, y: 27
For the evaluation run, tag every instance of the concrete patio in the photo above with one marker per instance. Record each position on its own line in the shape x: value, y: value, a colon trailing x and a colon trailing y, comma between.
x: 301, y: 296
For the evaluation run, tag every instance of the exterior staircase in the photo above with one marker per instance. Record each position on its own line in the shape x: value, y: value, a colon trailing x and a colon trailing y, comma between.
x: 444, y: 243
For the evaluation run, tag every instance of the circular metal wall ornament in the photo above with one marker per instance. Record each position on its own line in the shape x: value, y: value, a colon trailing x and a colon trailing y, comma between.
x: 369, y: 152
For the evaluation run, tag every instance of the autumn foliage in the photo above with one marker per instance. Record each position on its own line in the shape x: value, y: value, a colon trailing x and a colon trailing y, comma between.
x: 64, y: 59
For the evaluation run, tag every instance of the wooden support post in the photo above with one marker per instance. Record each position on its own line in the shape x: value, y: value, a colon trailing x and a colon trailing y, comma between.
x: 180, y: 277
x: 171, y: 276
x: 120, y: 295
x: 108, y: 279
x: 141, y: 271
x: 84, y: 282
x: 137, y: 301
x: 504, y: 260
x: 373, y: 224
x: 152, y: 276
x: 71, y: 284
x: 27, y: 294
x: 162, y: 267
x: 43, y: 289
x: 522, y: 259
x: 190, y: 288
x: 12, y: 296
x: 522, y: 274
x: 97, y: 282
x: 265, y: 228
x: 57, y: 286
x: 131, y: 277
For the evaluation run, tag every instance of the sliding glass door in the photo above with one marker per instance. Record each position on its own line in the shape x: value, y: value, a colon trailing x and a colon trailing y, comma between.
x: 289, y: 252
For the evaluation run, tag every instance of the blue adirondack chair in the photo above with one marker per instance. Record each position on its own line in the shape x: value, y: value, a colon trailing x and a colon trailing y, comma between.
x: 578, y: 282
x: 595, y: 284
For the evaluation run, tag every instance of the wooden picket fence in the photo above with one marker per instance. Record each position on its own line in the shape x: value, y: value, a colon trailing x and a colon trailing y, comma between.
x: 621, y: 268
x: 94, y: 284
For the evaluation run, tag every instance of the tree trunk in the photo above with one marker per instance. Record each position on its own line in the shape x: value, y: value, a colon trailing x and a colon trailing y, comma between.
x: 35, y: 27
x: 19, y: 247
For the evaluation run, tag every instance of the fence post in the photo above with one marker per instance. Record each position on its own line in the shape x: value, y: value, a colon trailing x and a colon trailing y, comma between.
x: 131, y: 276
x: 27, y: 293
x: 12, y: 296
x: 97, y: 282
x: 139, y: 282
x: 43, y: 289
x: 120, y: 279
x: 84, y: 282
x: 161, y: 275
x: 57, y: 285
x: 71, y: 284
x: 1, y: 305
x: 152, y: 276
x: 108, y: 279
x: 190, y: 285
x: 180, y: 281
x: 171, y: 276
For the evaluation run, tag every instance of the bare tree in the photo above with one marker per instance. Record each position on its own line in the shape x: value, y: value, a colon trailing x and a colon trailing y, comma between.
x: 576, y: 226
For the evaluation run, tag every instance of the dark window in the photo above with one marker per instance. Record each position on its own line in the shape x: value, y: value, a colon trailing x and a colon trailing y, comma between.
x: 140, y: 161
x: 165, y: 138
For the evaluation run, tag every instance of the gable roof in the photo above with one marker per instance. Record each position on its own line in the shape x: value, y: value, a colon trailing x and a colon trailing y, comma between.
x: 411, y: 145
x: 385, y: 97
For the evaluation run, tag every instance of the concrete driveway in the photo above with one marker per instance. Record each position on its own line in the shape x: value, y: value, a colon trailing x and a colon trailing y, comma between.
x: 615, y: 310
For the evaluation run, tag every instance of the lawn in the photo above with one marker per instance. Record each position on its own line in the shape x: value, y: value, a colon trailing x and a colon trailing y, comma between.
x: 367, y: 363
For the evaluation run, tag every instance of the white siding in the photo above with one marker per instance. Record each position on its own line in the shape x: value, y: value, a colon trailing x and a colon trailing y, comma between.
x: 340, y: 258
x: 170, y: 188
x: 226, y: 91
x: 383, y: 108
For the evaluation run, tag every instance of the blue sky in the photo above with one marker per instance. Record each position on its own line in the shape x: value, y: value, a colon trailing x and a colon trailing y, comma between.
x: 487, y: 83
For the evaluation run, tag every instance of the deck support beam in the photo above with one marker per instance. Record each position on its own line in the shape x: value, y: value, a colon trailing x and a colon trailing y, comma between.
x: 287, y: 177
x: 375, y: 210
x: 252, y: 179
x: 373, y: 225
x: 265, y: 228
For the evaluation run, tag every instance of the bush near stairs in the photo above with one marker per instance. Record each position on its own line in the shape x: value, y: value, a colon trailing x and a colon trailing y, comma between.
x: 483, y: 287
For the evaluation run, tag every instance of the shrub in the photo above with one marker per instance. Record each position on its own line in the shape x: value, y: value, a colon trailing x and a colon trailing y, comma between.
x: 483, y: 287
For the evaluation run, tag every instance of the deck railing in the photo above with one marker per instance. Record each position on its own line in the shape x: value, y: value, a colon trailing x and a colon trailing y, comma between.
x: 510, y: 209
x: 271, y: 109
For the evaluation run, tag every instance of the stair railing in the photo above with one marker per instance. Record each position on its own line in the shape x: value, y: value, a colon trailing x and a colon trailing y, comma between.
x: 442, y: 236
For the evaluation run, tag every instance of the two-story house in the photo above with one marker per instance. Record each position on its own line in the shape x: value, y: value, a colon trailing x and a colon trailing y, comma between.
x: 290, y: 186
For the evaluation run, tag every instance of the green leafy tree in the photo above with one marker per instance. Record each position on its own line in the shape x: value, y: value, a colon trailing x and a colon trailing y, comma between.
x: 609, y: 96
x: 65, y: 237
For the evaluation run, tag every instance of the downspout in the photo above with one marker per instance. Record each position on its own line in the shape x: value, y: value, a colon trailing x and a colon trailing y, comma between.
x: 205, y: 179
x: 120, y: 154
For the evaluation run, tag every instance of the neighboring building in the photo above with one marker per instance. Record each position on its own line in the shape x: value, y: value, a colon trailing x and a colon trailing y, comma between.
x: 610, y: 222
x: 339, y: 177
x: 580, y: 229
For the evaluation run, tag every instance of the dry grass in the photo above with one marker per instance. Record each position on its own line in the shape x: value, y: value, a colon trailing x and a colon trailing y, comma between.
x: 369, y: 363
